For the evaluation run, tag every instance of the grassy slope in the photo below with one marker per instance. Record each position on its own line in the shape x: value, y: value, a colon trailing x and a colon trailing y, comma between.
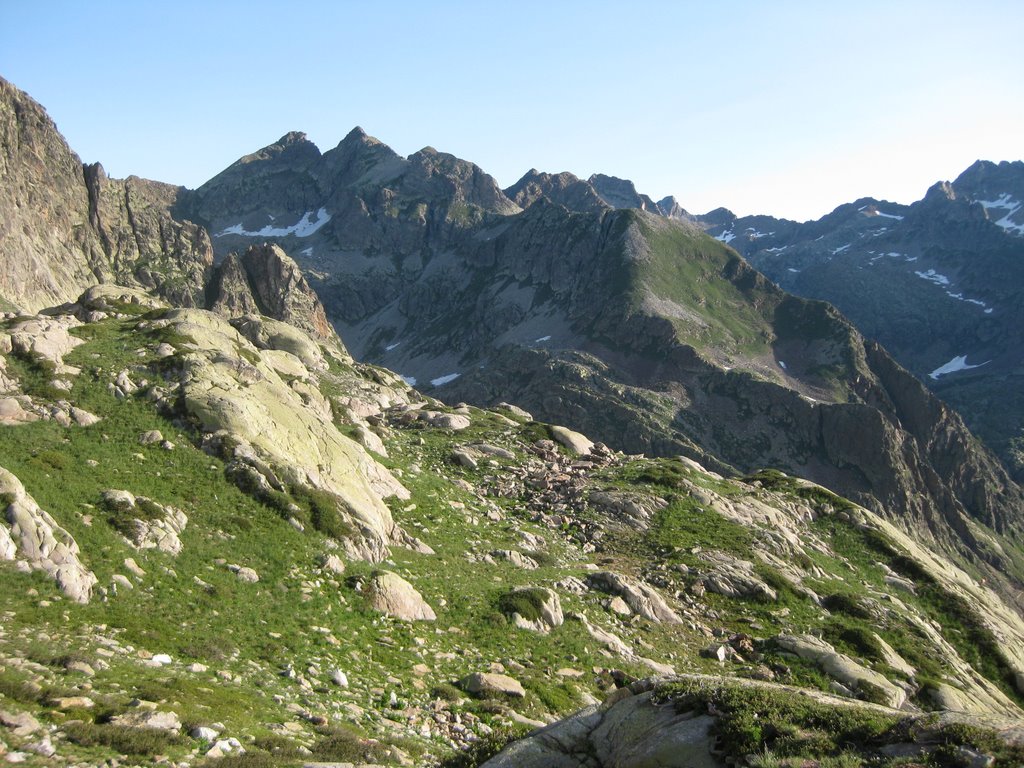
x: 270, y: 646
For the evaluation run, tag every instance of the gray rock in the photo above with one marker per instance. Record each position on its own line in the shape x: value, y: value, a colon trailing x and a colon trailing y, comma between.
x: 574, y: 441
x: 42, y: 543
x: 20, y: 723
x: 841, y: 667
x: 641, y: 598
x: 149, y: 718
x: 549, y: 609
x: 625, y: 731
x: 390, y: 594
x: 153, y: 436
x: 518, y: 559
x: 491, y: 683
x: 452, y: 421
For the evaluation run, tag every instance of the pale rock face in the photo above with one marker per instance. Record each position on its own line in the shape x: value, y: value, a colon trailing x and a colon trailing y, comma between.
x: 244, y: 396
x: 841, y: 667
x: 627, y: 730
x: 41, y: 542
x: 490, y: 683
x: 641, y: 598
x: 47, y: 338
x: 574, y: 441
x: 390, y: 594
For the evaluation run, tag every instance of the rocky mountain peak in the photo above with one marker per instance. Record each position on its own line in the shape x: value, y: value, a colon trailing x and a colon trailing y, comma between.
x: 291, y: 149
x: 265, y: 280
x: 940, y: 190
x: 563, y: 188
x: 619, y: 193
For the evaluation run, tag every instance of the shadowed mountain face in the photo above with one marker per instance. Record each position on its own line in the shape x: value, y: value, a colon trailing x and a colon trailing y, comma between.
x: 939, y: 283
x: 633, y: 325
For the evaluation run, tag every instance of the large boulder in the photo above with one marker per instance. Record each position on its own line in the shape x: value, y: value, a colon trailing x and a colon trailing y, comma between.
x: 390, y: 594
x: 490, y: 684
x: 641, y: 598
x: 41, y: 542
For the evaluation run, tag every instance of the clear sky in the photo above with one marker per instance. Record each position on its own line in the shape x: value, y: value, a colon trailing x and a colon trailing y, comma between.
x: 787, y: 108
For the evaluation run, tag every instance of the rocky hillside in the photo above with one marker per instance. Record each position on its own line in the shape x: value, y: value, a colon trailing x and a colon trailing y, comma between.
x: 365, y: 575
x: 597, y: 307
x: 938, y: 283
x: 225, y: 542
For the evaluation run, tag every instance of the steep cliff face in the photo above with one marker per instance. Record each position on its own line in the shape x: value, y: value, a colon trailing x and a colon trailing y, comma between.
x: 938, y: 283
x: 266, y: 281
x: 67, y: 226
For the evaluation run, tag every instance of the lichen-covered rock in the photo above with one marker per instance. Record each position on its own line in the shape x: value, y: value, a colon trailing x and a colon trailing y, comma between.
x: 41, y: 542
x: 228, y: 387
x: 641, y: 598
x: 491, y: 684
x: 390, y: 594
x: 845, y: 670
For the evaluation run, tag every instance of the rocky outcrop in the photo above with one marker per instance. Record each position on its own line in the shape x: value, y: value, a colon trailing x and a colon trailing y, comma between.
x: 266, y: 281
x: 641, y: 598
x: 392, y: 595
x: 540, y: 610
x: 145, y: 523
x: 843, y: 669
x: 626, y: 730
x: 228, y: 386
x: 642, y: 724
x: 28, y: 534
x: 67, y: 226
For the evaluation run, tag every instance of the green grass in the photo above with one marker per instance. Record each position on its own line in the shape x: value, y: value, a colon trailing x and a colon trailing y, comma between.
x: 193, y: 607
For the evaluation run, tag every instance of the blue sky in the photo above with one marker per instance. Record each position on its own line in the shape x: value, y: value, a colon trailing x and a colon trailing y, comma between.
x: 787, y: 108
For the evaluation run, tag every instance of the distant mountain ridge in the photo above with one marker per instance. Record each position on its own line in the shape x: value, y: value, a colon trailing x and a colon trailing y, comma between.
x: 940, y: 283
x: 627, y: 323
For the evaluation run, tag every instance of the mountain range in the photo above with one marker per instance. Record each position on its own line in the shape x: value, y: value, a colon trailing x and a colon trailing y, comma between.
x: 349, y: 456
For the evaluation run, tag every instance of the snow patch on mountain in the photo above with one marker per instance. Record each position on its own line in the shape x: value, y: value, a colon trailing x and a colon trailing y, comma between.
x: 726, y: 237
x: 1005, y: 203
x: 933, y: 277
x: 447, y: 379
x: 309, y: 223
x: 956, y: 364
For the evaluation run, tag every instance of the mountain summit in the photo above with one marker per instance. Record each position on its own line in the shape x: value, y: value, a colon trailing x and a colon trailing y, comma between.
x: 593, y: 307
